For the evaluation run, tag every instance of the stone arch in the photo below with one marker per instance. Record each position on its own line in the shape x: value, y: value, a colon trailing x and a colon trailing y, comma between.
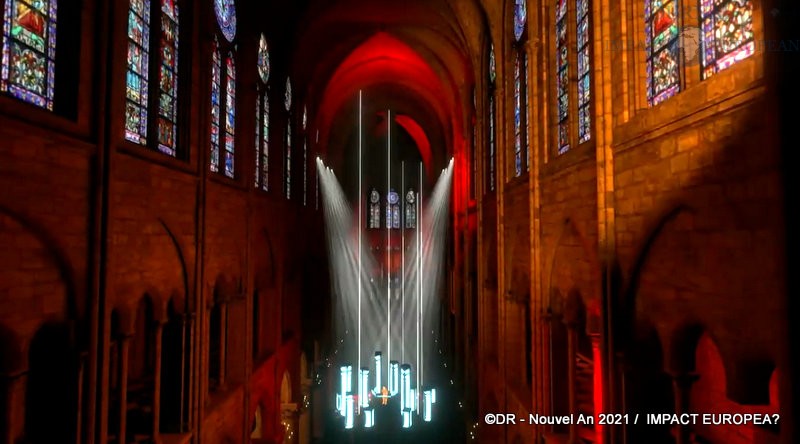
x: 569, y: 272
x: 181, y: 259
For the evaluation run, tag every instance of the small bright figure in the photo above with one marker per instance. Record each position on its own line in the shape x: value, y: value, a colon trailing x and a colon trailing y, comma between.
x: 384, y: 395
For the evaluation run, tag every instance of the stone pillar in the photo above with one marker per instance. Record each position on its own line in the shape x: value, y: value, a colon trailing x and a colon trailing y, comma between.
x: 572, y: 372
x: 682, y: 386
x: 13, y: 397
x: 124, y: 345
x: 223, y: 341
x: 157, y: 339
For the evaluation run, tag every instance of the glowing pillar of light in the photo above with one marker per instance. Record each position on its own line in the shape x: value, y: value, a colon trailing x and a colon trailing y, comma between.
x: 363, y: 387
x: 427, y: 405
x: 360, y: 219
x: 598, y: 385
x: 389, y: 239
x: 344, y: 389
x: 378, y: 386
x: 339, y: 403
x: 369, y: 418
x: 421, y: 295
x: 433, y: 396
x: 406, y: 418
x: 394, y: 377
x: 349, y: 417
x: 412, y: 403
x: 405, y: 386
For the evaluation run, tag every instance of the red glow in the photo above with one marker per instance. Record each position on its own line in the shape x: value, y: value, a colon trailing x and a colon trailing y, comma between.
x: 418, y: 134
x: 598, y: 388
x: 382, y: 60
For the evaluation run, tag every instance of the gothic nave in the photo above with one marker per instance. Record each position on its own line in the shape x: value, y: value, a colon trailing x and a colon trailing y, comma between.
x: 361, y: 221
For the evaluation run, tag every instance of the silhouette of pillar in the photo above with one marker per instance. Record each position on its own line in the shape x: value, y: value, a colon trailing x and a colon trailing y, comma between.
x: 124, y: 346
x: 157, y: 339
x: 572, y: 372
x: 13, y: 386
x: 223, y: 340
x: 682, y: 384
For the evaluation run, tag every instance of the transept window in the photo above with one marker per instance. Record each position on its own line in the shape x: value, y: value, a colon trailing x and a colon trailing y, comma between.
x: 374, y: 209
x: 223, y: 92
x: 411, y: 209
x: 392, y: 210
x: 29, y: 51
x: 727, y: 33
x: 520, y: 89
x: 262, y: 118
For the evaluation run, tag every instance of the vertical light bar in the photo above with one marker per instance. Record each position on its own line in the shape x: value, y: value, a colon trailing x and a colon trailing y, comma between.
x: 343, y: 389
x: 403, y: 262
x: 363, y: 387
x: 360, y: 221
x: 349, y: 412
x: 419, y: 271
x: 405, y: 382
x: 427, y: 405
x: 378, y: 385
x: 421, y: 364
x: 389, y: 239
x: 407, y: 419
x: 369, y: 418
x: 394, y: 377
x: 433, y: 396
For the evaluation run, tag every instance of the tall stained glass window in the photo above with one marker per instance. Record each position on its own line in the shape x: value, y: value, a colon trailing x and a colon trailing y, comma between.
x: 163, y: 48
x: 727, y: 33
x: 520, y: 89
x: 490, y: 153
x: 392, y: 210
x: 216, y: 105
x: 411, y: 209
x: 168, y: 78
x: 374, y: 209
x: 138, y: 71
x: 261, y: 176
x: 287, y: 102
x: 584, y: 77
x: 661, y: 34
x: 562, y: 73
x: 29, y: 51
x: 305, y: 156
x: 223, y: 92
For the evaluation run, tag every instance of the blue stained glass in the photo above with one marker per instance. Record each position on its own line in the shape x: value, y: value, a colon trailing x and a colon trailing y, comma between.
x: 661, y: 28
x: 225, y: 11
x: 520, y: 17
x: 265, y: 145
x: 584, y: 75
x: 138, y: 71
x: 216, y: 103
x: 168, y: 93
x: 230, y: 113
x: 263, y: 59
x: 257, y: 169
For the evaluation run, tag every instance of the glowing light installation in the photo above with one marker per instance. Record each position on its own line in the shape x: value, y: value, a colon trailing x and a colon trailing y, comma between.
x: 394, y: 381
x: 363, y: 387
x: 427, y: 406
x: 349, y: 417
x: 378, y: 385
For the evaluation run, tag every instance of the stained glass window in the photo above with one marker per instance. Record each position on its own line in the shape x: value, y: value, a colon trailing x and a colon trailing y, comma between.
x: 225, y: 11
x: 168, y: 78
x: 216, y: 105
x: 29, y: 51
x: 374, y: 209
x: 288, y: 171
x: 584, y: 77
x: 727, y: 33
x: 517, y: 115
x: 520, y: 17
x: 230, y: 114
x: 138, y: 71
x: 562, y: 73
x: 661, y: 34
x: 411, y: 209
x: 262, y: 118
x: 305, y: 156
x: 491, y: 150
x: 392, y: 210
x: 263, y: 59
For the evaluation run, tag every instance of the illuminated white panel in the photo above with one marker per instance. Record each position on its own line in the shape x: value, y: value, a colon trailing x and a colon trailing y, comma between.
x: 349, y: 417
x: 377, y: 390
x: 427, y: 405
x: 407, y: 418
x: 343, y: 393
x: 369, y: 418
x: 394, y: 377
x: 363, y: 387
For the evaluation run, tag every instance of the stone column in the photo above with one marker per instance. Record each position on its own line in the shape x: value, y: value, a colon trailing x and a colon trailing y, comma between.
x: 223, y: 341
x: 157, y: 339
x: 682, y: 385
x: 572, y: 372
x: 13, y: 386
x: 124, y: 345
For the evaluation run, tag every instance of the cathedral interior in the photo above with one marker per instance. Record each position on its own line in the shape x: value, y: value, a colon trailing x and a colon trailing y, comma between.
x: 376, y: 221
